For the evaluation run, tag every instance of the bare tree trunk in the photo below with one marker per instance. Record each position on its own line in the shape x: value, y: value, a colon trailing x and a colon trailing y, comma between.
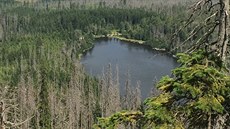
x: 117, y: 99
x: 1, y: 31
x: 2, y: 117
x: 21, y: 95
x: 52, y: 101
x: 223, y: 29
x: 127, y: 104
x: 210, y: 121
x: 137, y: 97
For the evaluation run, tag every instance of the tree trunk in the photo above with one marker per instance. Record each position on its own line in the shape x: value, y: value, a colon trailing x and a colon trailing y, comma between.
x: 1, y: 28
x: 1, y: 32
x: 2, y: 122
x: 210, y: 121
x: 223, y: 29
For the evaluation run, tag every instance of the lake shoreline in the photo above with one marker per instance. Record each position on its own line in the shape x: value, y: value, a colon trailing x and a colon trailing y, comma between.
x: 140, y: 61
x: 118, y: 36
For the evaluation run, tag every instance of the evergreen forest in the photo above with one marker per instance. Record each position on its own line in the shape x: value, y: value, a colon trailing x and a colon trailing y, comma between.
x: 43, y: 85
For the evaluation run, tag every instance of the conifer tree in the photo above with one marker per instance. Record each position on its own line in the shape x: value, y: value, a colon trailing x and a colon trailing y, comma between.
x: 196, y: 97
x: 44, y: 109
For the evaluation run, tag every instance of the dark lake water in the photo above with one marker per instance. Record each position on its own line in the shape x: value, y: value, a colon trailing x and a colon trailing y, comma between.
x: 142, y: 63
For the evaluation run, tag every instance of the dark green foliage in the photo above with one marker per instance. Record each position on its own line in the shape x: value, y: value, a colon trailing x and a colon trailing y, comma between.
x: 49, y: 62
x: 45, y: 44
x: 199, y: 90
x: 153, y: 27
x: 44, y: 110
x: 155, y: 115
x: 196, y: 97
x: 118, y: 118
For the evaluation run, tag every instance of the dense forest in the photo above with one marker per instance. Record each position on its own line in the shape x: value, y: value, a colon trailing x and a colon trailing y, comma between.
x: 44, y: 86
x: 150, y: 26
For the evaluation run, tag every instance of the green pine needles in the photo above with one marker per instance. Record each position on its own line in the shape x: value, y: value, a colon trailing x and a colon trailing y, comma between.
x: 196, y: 96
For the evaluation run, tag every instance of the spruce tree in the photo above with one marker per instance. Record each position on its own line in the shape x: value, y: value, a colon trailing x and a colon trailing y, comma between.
x: 44, y: 110
x: 196, y: 97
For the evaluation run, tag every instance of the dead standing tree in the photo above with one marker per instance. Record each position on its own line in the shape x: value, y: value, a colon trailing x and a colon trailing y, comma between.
x: 4, y: 123
x: 212, y: 24
x: 2, y: 117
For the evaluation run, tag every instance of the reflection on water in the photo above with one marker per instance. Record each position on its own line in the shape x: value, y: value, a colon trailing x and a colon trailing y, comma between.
x: 143, y: 63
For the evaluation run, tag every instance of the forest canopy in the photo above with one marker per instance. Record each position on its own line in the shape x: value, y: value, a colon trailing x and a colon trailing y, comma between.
x: 43, y: 85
